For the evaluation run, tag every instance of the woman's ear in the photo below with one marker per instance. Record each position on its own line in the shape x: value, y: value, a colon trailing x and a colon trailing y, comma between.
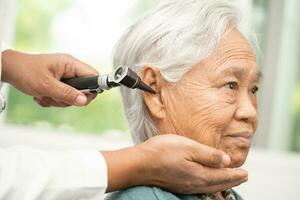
x: 152, y: 77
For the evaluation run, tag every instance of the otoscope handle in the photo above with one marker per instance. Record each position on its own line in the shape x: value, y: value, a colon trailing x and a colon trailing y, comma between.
x: 83, y: 83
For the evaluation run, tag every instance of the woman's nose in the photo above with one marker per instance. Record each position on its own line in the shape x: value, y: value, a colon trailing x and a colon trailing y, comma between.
x: 246, y: 110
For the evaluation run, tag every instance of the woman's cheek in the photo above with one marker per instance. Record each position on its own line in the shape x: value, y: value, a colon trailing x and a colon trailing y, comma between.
x: 203, y: 113
x: 227, y: 96
x: 224, y: 105
x: 208, y: 120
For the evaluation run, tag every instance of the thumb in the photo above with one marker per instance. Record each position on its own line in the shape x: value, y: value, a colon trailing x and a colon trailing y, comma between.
x: 67, y: 94
x: 210, y: 156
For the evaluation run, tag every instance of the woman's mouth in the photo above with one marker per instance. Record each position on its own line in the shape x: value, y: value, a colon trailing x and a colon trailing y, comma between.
x: 242, y: 139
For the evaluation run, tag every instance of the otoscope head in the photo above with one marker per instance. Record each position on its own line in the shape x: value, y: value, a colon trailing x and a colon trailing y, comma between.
x: 123, y: 75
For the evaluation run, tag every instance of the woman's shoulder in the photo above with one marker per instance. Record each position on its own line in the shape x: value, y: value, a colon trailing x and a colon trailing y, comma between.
x: 137, y: 193
x: 145, y: 193
x: 237, y: 195
x: 154, y: 193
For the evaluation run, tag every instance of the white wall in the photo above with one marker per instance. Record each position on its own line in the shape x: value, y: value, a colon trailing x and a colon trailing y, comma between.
x: 7, y: 29
x: 7, y: 20
x: 287, y: 79
x: 272, y: 175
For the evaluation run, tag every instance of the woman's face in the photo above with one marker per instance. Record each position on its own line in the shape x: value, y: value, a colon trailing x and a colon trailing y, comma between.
x: 215, y: 103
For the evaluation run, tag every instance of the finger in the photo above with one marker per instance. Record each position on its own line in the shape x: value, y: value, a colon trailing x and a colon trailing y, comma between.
x: 214, y: 180
x: 83, y: 69
x: 40, y: 102
x: 53, y: 102
x: 214, y: 176
x: 43, y: 103
x: 224, y: 186
x: 209, y: 156
x: 90, y: 97
x: 60, y: 104
x: 49, y: 101
x: 37, y: 100
x: 67, y: 94
x: 76, y: 68
x: 63, y: 105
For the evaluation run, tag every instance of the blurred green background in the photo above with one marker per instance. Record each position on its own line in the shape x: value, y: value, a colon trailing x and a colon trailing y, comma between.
x: 33, y: 35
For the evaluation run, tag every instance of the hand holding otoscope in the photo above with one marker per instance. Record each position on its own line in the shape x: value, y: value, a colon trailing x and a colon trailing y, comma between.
x: 42, y: 77
x: 122, y: 76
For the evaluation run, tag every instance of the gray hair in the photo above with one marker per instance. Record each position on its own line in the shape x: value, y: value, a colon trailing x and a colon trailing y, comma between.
x: 174, y: 36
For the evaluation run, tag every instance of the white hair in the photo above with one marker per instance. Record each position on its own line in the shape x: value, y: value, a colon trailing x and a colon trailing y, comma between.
x: 174, y: 36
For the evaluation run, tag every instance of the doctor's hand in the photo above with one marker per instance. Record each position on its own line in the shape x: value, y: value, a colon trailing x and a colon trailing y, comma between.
x: 39, y: 76
x: 175, y: 163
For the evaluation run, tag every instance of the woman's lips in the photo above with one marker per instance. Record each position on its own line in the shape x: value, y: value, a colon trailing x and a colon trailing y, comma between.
x: 242, y: 138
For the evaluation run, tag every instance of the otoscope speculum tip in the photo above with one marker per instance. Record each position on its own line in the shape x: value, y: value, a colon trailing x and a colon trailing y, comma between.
x: 141, y: 85
x: 125, y: 76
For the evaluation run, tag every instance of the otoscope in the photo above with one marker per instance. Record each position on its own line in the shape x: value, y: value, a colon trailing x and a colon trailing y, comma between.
x: 121, y: 76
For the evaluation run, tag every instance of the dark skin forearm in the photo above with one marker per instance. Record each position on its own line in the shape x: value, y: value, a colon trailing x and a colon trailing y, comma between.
x: 125, y: 168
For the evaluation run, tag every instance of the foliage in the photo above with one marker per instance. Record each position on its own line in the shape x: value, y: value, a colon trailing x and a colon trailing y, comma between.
x: 104, y: 114
x: 33, y: 23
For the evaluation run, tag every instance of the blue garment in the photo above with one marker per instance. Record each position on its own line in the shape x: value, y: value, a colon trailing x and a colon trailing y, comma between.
x: 153, y: 193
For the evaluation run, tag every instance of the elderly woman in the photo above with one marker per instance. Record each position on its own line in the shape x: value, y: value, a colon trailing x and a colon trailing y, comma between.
x: 206, y: 78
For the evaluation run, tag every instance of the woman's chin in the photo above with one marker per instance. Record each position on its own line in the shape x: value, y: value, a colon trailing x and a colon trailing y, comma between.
x: 236, y: 163
x: 238, y: 160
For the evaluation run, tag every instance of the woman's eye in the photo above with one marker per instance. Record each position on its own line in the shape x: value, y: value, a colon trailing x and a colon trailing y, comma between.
x: 254, y: 90
x: 232, y: 85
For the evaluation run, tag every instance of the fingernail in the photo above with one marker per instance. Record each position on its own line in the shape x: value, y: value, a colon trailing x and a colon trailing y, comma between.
x: 226, y: 160
x: 81, y: 100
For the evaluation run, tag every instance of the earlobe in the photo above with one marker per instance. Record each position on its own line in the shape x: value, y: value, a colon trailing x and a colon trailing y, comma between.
x: 152, y: 77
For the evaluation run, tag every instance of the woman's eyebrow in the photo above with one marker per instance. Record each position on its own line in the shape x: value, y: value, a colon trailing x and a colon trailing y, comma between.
x: 239, y: 73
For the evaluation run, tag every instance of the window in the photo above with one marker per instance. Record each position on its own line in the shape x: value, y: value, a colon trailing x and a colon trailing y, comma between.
x: 279, y: 106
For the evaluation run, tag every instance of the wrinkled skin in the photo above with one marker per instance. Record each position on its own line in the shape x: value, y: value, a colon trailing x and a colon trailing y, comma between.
x: 214, y: 103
